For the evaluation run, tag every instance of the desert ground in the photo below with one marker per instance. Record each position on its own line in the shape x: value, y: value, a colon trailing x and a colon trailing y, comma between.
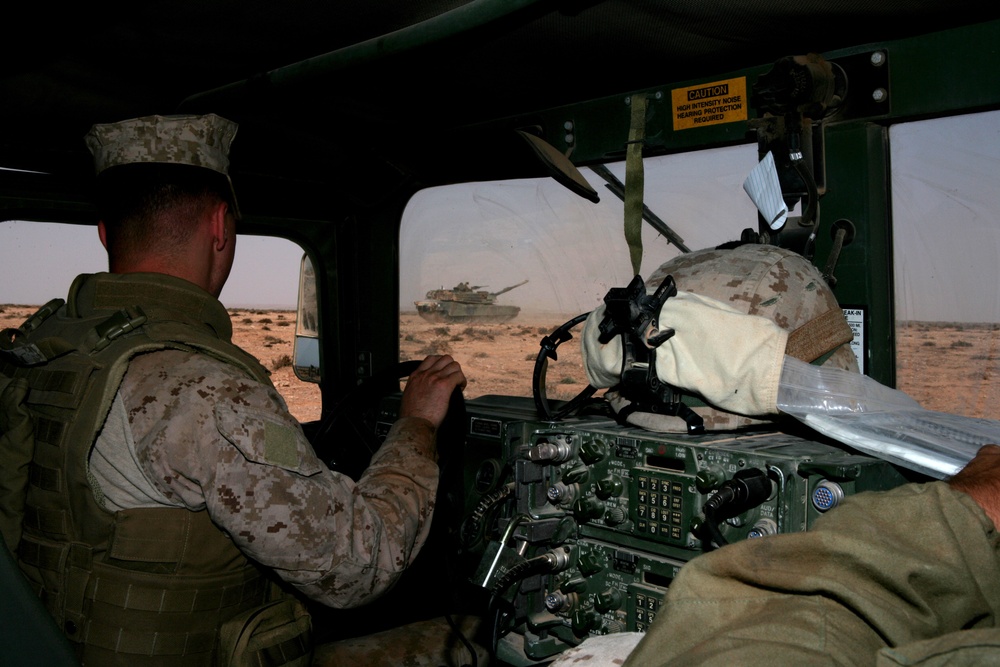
x: 950, y: 367
x: 945, y: 366
x: 497, y: 358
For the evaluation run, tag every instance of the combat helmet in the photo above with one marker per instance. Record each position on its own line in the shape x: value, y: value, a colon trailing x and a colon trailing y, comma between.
x: 760, y: 280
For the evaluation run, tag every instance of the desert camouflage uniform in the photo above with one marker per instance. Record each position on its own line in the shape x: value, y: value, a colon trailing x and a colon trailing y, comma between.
x: 193, y: 425
x: 429, y: 643
x: 187, y: 430
x: 130, y: 520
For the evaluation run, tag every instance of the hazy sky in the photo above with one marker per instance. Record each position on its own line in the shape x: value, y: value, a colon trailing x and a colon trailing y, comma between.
x: 38, y: 261
x: 946, y: 237
x: 570, y: 250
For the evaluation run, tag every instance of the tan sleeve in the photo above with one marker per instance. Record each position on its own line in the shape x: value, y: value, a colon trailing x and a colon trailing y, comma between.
x: 883, y: 570
x: 207, y: 436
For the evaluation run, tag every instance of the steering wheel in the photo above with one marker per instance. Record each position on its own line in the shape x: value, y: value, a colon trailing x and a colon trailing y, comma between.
x: 346, y: 439
x: 348, y: 435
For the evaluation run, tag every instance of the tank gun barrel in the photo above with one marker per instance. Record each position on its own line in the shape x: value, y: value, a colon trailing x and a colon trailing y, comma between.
x: 507, y: 289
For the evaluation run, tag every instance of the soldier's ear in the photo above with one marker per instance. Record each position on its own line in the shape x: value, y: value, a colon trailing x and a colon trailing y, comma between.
x: 220, y: 230
x: 102, y: 232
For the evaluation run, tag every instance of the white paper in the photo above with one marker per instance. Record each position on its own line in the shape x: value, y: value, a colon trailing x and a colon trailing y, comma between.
x: 764, y: 189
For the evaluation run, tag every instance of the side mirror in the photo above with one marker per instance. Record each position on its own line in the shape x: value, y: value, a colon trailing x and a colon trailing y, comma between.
x: 306, y: 350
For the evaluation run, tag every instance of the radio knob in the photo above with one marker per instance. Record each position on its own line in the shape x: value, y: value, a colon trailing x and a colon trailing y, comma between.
x: 615, y: 516
x: 608, y: 600
x: 709, y: 479
x: 584, y: 622
x: 590, y: 563
x: 588, y: 509
x: 614, y: 626
x: 592, y: 451
x: 609, y: 487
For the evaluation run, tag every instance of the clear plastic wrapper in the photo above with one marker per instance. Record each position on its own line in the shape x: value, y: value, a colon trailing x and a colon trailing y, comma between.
x: 881, y: 421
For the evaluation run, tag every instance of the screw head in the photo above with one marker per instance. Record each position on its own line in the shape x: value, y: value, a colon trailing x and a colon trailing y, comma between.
x: 878, y: 58
x: 880, y: 94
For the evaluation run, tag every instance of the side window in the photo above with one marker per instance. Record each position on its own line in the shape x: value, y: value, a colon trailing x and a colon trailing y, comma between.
x: 40, y: 260
x: 946, y: 238
x: 488, y: 269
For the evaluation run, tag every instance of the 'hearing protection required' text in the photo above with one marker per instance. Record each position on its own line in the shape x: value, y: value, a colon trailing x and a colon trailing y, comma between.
x: 710, y: 103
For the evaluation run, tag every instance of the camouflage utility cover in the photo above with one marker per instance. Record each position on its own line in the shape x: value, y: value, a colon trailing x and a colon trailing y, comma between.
x: 199, y: 141
x: 196, y: 141
x: 758, y: 280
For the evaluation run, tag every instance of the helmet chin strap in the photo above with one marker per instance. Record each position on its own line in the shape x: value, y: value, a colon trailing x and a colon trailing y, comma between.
x: 632, y: 314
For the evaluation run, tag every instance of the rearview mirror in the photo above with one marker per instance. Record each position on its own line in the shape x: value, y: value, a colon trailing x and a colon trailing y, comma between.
x: 306, y: 352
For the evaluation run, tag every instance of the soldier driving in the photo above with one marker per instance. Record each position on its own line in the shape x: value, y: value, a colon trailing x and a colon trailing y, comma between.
x: 162, y: 479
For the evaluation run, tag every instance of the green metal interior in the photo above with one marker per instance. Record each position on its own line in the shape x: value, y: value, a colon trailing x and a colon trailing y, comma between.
x: 346, y: 111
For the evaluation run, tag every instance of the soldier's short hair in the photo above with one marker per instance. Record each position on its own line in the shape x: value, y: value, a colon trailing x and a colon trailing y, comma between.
x: 155, y: 206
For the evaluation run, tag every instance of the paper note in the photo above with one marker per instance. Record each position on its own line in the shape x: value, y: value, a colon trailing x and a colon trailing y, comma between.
x: 764, y: 189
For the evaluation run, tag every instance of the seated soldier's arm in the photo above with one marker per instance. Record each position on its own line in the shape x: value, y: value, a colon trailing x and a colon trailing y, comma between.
x: 208, y: 437
x: 883, y: 570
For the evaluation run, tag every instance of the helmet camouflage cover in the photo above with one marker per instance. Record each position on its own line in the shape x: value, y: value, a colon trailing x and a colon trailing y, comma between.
x: 760, y: 280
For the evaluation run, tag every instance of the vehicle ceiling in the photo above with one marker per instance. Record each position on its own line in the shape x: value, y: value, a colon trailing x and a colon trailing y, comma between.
x: 64, y: 69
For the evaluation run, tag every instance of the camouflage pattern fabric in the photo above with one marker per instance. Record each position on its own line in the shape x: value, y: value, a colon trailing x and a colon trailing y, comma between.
x: 203, y: 435
x: 862, y: 588
x: 758, y: 280
x: 600, y: 651
x: 198, y: 141
x: 430, y: 643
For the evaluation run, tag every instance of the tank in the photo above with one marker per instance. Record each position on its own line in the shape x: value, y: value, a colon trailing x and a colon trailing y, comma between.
x: 464, y: 303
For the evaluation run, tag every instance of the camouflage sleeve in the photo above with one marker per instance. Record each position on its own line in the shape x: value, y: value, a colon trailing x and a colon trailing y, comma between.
x: 208, y: 437
x: 883, y: 571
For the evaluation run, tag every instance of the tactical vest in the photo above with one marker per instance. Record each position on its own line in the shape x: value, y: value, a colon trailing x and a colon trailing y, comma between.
x: 141, y: 586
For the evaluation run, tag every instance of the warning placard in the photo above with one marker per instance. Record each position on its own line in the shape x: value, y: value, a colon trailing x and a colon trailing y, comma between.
x: 710, y: 103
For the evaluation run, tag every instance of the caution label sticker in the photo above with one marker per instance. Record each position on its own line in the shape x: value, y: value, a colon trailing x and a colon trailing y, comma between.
x: 856, y: 318
x: 710, y: 103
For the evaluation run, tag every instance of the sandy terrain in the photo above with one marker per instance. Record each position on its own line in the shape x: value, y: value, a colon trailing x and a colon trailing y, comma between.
x: 950, y: 367
x: 945, y: 366
x: 267, y: 335
x: 498, y: 358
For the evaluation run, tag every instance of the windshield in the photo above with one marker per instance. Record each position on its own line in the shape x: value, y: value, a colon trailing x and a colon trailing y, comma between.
x: 558, y: 252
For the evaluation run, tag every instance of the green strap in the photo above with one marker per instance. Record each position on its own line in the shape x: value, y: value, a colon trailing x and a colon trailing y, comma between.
x: 17, y: 445
x: 634, y: 181
x: 127, y: 641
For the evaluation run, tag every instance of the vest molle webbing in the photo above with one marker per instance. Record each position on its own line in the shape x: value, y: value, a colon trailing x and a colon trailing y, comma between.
x: 151, y: 583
